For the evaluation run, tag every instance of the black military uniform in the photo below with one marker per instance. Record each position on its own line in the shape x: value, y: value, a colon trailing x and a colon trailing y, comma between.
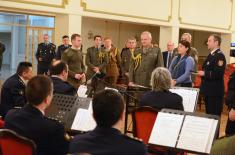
x: 45, y: 51
x: 60, y: 50
x: 12, y: 94
x: 106, y: 141
x: 230, y: 101
x: 63, y: 87
x: 46, y: 133
x: 212, y: 86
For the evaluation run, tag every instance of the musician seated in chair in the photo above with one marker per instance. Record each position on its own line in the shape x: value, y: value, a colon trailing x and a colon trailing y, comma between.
x: 59, y: 76
x: 106, y: 138
x: 30, y: 121
x: 160, y: 97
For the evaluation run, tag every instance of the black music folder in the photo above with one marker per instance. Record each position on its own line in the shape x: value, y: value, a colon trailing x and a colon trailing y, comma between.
x: 184, y: 131
x: 72, y: 111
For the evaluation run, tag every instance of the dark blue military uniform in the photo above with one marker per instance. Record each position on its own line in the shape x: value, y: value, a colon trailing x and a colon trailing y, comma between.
x: 63, y: 87
x: 12, y: 94
x: 46, y: 133
x: 106, y: 141
x: 45, y: 51
x: 230, y: 101
x: 212, y: 86
x: 60, y: 50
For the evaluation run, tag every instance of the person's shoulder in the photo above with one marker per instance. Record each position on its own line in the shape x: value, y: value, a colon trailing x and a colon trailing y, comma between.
x: 219, y: 54
x: 52, y: 45
x: 193, y: 49
x: 132, y: 143
x: 175, y: 96
x: 12, y: 80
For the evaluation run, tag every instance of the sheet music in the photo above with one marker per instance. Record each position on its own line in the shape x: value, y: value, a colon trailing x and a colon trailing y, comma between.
x: 166, y: 129
x: 197, y: 133
x: 189, y: 98
x: 84, y: 120
x: 82, y: 91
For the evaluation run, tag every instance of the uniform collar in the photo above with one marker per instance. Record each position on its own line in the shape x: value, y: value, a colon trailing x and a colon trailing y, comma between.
x: 23, y: 80
x: 213, y: 51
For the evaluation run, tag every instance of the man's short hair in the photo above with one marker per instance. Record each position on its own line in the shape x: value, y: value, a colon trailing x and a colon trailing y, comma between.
x: 217, y: 38
x: 38, y: 88
x: 23, y: 67
x: 147, y: 33
x: 161, y: 79
x: 73, y: 37
x: 57, y: 67
x: 107, y: 38
x: 97, y: 36
x: 108, y: 106
x: 65, y: 36
x: 189, y: 36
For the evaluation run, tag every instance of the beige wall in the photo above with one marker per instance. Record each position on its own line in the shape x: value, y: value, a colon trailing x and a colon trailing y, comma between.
x: 118, y: 31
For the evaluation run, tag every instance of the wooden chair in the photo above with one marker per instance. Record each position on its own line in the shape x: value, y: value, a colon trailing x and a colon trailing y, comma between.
x: 12, y: 143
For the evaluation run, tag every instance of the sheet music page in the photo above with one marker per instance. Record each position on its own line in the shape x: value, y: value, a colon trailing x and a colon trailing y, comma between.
x: 211, y: 137
x: 82, y: 91
x: 196, y: 133
x: 166, y: 129
x: 83, y: 120
x: 189, y: 98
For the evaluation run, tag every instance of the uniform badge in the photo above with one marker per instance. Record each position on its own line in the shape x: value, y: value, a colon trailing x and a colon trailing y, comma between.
x: 207, y: 63
x: 220, y: 63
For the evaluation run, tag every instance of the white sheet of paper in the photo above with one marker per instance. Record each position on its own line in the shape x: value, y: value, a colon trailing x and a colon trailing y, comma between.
x: 189, y: 98
x: 82, y: 91
x: 166, y: 129
x: 196, y: 134
x: 83, y: 120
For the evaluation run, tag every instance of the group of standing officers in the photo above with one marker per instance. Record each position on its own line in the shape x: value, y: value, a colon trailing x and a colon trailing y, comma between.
x: 135, y: 64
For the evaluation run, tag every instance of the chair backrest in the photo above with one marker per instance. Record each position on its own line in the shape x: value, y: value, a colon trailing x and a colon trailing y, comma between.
x: 143, y: 121
x: 2, y: 123
x: 12, y: 143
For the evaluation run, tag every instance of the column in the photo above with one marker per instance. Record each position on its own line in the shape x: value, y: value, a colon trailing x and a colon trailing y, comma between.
x: 225, y: 46
x: 168, y: 34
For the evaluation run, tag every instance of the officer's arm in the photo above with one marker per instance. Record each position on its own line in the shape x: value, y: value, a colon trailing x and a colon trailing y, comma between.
x: 160, y: 62
x: 118, y: 58
x: 88, y: 59
x: 131, y: 70
x: 218, y: 72
x: 230, y: 100
x: 18, y: 97
x: 53, y: 51
x: 38, y: 52
x: 83, y: 65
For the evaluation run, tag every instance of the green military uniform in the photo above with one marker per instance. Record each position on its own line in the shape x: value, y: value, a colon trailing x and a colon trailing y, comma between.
x: 2, y: 50
x: 95, y: 58
x: 224, y: 146
x: 143, y: 63
x: 74, y: 59
x: 194, y: 54
x: 112, y: 68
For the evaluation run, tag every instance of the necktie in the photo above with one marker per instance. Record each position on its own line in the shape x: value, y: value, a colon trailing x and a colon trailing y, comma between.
x: 169, y: 60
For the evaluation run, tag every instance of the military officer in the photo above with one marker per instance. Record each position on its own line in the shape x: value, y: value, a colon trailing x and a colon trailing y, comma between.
x: 2, y: 50
x: 126, y: 55
x: 45, y: 54
x: 144, y: 61
x: 96, y: 59
x: 13, y: 89
x: 212, y: 86
x: 74, y: 58
x: 114, y: 61
x: 63, y: 47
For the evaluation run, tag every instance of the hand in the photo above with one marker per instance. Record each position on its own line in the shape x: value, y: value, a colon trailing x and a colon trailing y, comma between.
x: 131, y: 84
x: 96, y: 69
x: 127, y: 74
x: 173, y: 82
x: 79, y: 76
x: 200, y: 73
x: 231, y: 115
x: 39, y: 59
